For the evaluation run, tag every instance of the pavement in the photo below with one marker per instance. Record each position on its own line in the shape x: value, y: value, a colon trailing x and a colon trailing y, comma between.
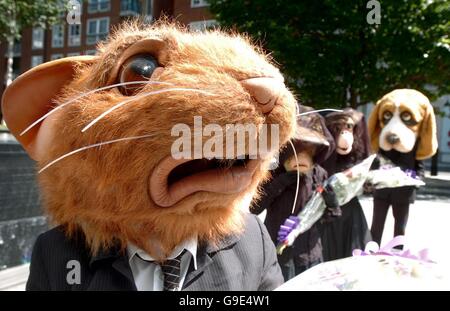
x: 428, y: 226
x: 437, y: 188
x: 14, y: 279
x: 7, y: 137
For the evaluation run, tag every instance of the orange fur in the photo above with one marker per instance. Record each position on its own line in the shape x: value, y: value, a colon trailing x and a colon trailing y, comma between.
x: 104, y: 191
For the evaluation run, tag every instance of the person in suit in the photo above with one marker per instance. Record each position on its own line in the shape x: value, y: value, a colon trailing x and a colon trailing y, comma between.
x: 137, y: 207
x: 245, y: 261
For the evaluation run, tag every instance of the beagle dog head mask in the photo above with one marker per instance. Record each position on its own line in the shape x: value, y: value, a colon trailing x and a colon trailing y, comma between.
x: 401, y: 119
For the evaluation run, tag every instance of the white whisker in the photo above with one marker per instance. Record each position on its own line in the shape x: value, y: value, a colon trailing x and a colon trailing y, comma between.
x: 314, y: 111
x: 139, y: 97
x: 86, y: 94
x: 298, y: 177
x: 93, y: 146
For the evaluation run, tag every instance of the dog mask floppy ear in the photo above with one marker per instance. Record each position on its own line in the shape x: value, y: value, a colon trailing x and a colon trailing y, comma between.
x: 374, y: 126
x: 428, y: 143
x: 30, y: 97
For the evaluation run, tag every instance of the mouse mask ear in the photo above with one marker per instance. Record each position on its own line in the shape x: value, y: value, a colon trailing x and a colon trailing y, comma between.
x: 30, y: 97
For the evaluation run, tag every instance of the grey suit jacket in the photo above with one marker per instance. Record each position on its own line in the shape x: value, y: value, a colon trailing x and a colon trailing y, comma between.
x: 241, y: 262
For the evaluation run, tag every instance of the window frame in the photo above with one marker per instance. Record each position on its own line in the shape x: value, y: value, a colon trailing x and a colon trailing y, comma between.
x: 90, y: 52
x: 61, y: 26
x: 71, y: 54
x: 70, y: 36
x: 33, y: 38
x: 98, y: 4
x: 56, y: 56
x: 202, y: 4
x: 206, y: 24
x: 32, y: 63
x: 129, y: 11
x: 98, y: 36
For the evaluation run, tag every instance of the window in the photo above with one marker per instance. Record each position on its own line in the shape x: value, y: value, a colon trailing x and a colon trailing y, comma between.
x: 97, y: 29
x: 56, y: 56
x: 74, y: 35
x: 37, y: 38
x: 90, y: 52
x: 95, y: 6
x: 130, y: 7
x: 17, y: 48
x: 199, y: 3
x: 57, y: 36
x: 73, y: 54
x: 148, y: 8
x: 36, y: 60
x: 202, y: 25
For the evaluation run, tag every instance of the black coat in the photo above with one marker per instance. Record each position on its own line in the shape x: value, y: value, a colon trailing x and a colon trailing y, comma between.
x: 241, y: 262
x: 350, y: 231
x: 278, y: 199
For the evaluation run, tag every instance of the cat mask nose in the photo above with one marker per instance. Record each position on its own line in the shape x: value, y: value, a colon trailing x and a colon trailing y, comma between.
x: 265, y: 91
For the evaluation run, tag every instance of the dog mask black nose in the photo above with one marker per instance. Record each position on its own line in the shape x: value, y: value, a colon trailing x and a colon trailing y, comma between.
x: 392, y: 139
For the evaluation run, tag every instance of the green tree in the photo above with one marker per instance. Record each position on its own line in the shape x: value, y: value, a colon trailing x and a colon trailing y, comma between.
x: 16, y: 15
x: 333, y: 57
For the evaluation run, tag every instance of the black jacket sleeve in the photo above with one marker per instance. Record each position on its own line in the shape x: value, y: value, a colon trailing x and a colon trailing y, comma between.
x: 420, y: 169
x: 38, y: 278
x: 271, y: 277
x: 270, y: 191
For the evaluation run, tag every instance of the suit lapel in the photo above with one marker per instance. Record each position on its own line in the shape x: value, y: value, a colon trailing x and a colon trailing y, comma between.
x: 203, y: 261
x: 122, y: 266
x: 205, y: 257
x: 111, y: 271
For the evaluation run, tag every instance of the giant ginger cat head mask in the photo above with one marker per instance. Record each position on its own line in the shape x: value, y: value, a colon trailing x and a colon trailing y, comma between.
x: 131, y: 189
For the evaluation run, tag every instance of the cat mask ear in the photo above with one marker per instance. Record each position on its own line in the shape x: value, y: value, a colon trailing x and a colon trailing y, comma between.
x: 30, y: 97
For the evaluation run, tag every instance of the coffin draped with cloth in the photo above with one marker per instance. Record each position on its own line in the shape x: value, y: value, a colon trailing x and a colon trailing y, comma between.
x: 375, y: 268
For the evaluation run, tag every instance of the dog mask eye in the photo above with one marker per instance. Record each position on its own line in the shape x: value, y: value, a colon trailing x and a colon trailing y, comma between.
x: 137, y: 68
x: 349, y: 127
x: 387, y: 116
x: 407, y: 118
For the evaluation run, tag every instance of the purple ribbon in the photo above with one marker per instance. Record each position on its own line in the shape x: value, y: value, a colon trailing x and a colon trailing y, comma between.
x: 372, y: 248
x: 289, y: 224
x: 411, y: 173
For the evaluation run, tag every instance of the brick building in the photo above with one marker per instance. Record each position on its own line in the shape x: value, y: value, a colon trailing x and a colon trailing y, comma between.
x: 97, y: 18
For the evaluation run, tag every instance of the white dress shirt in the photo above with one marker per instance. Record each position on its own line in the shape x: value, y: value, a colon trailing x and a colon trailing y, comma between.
x: 148, y: 276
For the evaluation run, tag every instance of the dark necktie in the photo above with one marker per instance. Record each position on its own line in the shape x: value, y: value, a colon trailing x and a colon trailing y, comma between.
x: 171, y: 271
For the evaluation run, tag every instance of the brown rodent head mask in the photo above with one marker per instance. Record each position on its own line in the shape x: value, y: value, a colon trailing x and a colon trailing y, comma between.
x: 131, y: 189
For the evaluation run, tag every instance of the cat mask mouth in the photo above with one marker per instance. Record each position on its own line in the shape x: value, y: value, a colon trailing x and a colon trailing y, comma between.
x: 173, y: 180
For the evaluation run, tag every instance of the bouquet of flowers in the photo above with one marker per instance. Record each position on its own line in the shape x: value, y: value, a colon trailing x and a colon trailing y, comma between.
x: 391, y: 176
x: 345, y: 186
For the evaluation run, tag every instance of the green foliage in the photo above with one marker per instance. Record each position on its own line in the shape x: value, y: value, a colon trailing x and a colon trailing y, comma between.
x: 333, y: 57
x: 16, y: 15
